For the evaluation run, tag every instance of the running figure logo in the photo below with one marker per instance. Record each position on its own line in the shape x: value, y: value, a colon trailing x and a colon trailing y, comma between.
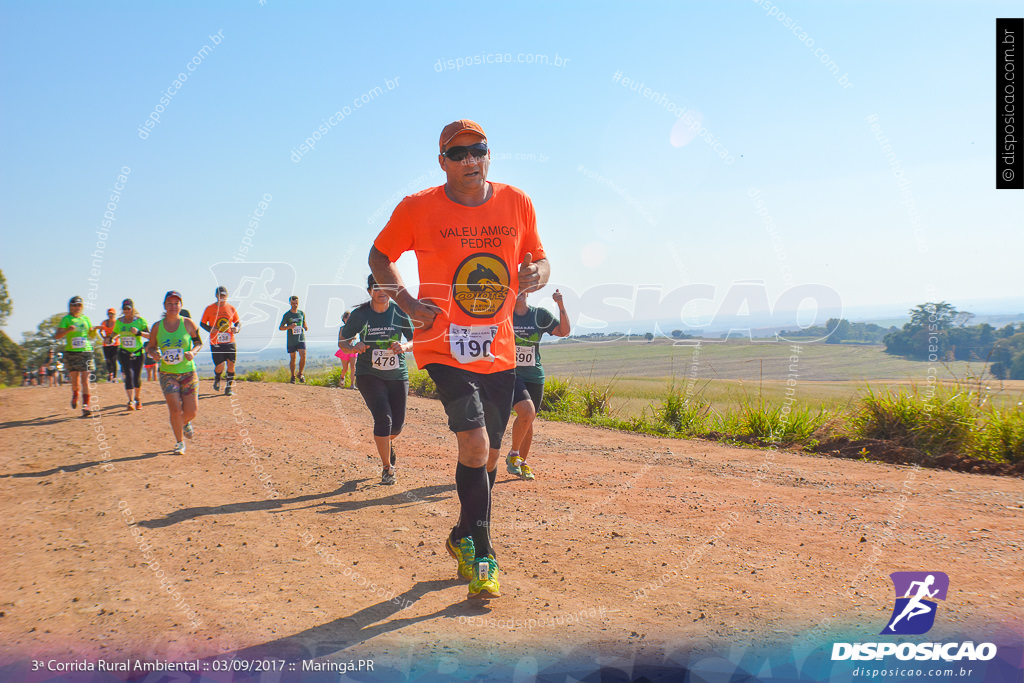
x: 259, y: 291
x: 913, y: 614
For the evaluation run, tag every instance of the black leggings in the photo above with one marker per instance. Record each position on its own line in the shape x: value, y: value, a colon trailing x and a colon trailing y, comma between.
x: 110, y: 354
x: 131, y: 368
x: 386, y: 400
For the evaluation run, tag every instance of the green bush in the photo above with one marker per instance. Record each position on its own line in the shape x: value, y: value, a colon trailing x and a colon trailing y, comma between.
x: 559, y: 396
x: 678, y: 414
x: 420, y: 384
x: 1001, y: 436
x: 328, y: 378
x: 939, y: 425
x: 782, y: 424
x: 281, y: 375
x: 254, y: 376
x: 593, y: 399
x: 727, y: 423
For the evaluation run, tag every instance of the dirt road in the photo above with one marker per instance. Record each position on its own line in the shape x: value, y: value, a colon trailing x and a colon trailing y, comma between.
x: 624, y: 548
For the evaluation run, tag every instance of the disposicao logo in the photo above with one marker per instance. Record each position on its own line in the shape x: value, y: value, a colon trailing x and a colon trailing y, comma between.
x: 914, y: 614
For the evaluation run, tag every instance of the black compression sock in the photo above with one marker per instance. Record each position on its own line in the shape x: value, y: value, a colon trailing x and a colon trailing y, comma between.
x: 475, y: 497
x: 492, y: 476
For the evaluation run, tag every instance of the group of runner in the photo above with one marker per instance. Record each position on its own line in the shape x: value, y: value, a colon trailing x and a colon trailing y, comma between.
x: 173, y: 342
x: 49, y: 374
x: 478, y: 255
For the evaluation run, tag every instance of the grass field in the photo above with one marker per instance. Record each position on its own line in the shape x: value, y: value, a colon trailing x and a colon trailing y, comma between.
x: 728, y: 374
x: 735, y: 359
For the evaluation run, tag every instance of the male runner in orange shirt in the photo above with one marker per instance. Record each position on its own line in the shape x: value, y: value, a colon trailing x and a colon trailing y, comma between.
x: 221, y: 321
x: 476, y: 246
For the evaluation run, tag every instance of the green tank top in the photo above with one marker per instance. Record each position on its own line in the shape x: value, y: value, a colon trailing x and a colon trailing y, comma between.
x: 172, y: 346
x: 77, y: 339
x: 129, y: 341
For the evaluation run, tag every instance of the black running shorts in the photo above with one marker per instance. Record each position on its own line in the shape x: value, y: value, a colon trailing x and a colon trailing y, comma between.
x: 473, y: 400
x: 222, y: 353
x: 528, y: 391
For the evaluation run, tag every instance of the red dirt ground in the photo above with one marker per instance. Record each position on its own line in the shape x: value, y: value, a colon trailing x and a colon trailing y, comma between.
x: 583, y: 549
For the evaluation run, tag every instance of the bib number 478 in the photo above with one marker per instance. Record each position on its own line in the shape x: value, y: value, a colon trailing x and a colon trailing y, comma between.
x: 384, y: 359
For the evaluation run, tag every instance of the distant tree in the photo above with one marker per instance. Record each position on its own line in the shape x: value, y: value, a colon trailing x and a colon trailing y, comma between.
x: 12, y: 361
x: 926, y: 335
x: 942, y: 315
x: 677, y: 334
x: 649, y: 336
x: 962, y: 318
x: 6, y: 305
x: 1008, y: 358
x: 838, y: 330
x: 37, y: 344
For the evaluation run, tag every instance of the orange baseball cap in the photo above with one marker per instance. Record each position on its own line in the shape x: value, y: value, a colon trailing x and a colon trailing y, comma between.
x: 460, y: 126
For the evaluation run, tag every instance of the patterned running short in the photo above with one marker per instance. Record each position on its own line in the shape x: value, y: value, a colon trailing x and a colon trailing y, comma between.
x: 184, y: 383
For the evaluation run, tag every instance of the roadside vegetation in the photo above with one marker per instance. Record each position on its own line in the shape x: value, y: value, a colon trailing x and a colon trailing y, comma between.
x: 959, y: 418
x: 963, y: 417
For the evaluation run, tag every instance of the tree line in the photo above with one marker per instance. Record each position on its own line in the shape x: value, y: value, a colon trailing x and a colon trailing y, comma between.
x: 938, y: 332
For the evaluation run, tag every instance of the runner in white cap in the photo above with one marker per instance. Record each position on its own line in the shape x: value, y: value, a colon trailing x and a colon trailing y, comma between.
x: 175, y: 341
x: 78, y: 329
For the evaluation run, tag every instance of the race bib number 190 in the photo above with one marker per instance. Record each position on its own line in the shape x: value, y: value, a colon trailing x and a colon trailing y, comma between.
x: 470, y: 344
x: 384, y: 359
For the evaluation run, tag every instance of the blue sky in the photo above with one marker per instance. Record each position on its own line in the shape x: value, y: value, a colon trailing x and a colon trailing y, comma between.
x: 617, y: 202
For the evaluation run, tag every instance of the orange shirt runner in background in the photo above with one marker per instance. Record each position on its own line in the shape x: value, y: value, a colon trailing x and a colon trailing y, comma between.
x: 220, y: 318
x: 109, y: 338
x: 468, y: 259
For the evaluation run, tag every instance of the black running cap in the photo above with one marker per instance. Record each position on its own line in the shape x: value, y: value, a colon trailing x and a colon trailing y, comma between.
x: 128, y: 302
x: 222, y: 290
x: 75, y: 300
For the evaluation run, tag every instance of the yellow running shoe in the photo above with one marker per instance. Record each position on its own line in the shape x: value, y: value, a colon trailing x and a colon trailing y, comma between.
x: 512, y: 463
x: 484, y: 585
x: 464, y: 553
x: 525, y: 471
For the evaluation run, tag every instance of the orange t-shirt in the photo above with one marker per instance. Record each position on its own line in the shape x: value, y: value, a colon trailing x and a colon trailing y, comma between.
x: 468, y: 259
x: 109, y: 338
x: 220, y: 318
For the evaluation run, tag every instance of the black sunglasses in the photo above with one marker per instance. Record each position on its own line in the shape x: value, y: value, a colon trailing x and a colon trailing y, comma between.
x: 459, y: 153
